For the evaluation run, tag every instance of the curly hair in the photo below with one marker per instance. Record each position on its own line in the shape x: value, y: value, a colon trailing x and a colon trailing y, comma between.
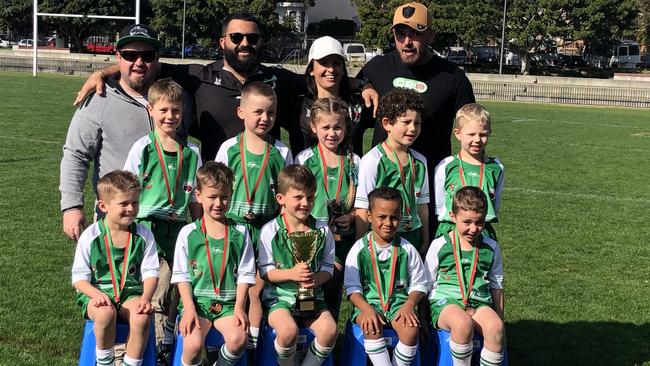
x: 397, y: 102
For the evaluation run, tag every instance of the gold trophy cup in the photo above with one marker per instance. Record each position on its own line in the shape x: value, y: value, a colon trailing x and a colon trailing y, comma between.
x: 303, y: 249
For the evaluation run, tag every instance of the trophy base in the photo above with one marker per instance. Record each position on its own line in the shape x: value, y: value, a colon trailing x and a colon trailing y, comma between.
x: 305, y: 308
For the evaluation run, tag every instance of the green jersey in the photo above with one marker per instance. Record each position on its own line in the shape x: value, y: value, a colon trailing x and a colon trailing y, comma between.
x: 262, y: 194
x: 444, y: 274
x: 362, y: 272
x: 450, y: 176
x: 92, y: 263
x: 312, y: 160
x: 275, y: 253
x: 191, y: 262
x: 378, y: 170
x: 162, y: 183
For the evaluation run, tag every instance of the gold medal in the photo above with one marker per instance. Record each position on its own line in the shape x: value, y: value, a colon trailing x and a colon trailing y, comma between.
x: 215, y: 308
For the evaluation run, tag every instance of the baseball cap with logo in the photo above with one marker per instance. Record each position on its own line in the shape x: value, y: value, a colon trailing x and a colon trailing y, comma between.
x: 138, y: 33
x: 415, y: 15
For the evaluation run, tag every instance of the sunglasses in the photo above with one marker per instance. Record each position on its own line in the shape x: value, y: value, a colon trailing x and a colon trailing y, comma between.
x: 237, y: 38
x: 132, y: 56
x: 402, y: 32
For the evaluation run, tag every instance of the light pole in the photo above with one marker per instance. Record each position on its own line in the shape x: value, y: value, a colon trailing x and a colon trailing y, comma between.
x: 183, y: 36
x: 503, y: 35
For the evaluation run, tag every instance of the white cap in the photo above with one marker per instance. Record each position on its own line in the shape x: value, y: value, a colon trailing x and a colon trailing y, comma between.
x: 324, y: 46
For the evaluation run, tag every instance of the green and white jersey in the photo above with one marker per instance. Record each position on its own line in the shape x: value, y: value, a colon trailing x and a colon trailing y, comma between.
x: 443, y: 272
x: 311, y: 159
x: 143, y: 161
x: 191, y: 262
x: 91, y: 260
x: 264, y: 203
x: 275, y: 253
x: 378, y: 170
x: 359, y: 277
x: 447, y: 181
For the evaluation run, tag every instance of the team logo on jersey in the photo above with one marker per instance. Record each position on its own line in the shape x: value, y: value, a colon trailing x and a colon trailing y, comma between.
x: 93, y: 269
x: 417, y: 194
x: 252, y: 164
x: 472, y: 174
x: 196, y: 273
x: 331, y: 178
x: 451, y: 187
x: 278, y: 265
x: 414, y: 85
x: 400, y: 285
x: 187, y: 188
x: 145, y: 177
x: 234, y: 270
x: 217, y: 250
x: 132, y: 270
x: 217, y: 81
x: 272, y: 187
x: 441, y: 302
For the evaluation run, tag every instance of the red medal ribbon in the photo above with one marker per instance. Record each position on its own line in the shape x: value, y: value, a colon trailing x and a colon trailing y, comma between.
x: 459, y: 269
x: 242, y: 157
x: 224, y: 257
x: 340, y: 179
x: 462, y: 173
x: 384, y: 305
x: 402, y: 176
x: 179, y: 168
x: 108, y: 244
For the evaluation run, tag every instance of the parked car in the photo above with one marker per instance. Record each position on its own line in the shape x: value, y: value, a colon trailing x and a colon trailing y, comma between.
x: 625, y: 55
x: 26, y: 43
x: 354, y: 52
x: 571, y: 61
x: 458, y: 55
x: 100, y: 44
x: 486, y: 55
x: 4, y: 43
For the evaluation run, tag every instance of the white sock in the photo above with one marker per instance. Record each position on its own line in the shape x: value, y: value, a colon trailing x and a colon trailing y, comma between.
x: 461, y: 354
x: 128, y: 361
x: 168, y: 331
x: 316, y: 354
x: 190, y: 364
x: 377, y: 351
x: 285, y: 355
x: 105, y: 357
x: 253, y: 333
x: 489, y: 358
x: 226, y: 358
x: 403, y: 355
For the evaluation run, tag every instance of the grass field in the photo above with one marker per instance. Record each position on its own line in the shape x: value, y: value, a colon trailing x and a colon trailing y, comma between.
x: 574, y: 229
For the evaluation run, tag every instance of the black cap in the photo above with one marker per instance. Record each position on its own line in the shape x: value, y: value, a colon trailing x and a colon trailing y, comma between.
x: 138, y: 33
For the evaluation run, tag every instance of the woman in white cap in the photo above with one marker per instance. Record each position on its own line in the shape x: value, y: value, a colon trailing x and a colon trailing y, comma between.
x: 326, y: 76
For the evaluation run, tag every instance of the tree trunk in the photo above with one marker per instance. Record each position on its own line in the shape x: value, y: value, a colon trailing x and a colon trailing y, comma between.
x: 525, y: 63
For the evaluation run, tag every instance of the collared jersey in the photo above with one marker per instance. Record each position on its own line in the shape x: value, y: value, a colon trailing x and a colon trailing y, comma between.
x: 275, y: 253
x: 91, y: 260
x: 191, y: 262
x: 443, y: 272
x: 378, y: 170
x: 359, y: 277
x: 448, y: 182
x: 217, y: 94
x: 264, y: 203
x: 311, y: 159
x: 144, y: 162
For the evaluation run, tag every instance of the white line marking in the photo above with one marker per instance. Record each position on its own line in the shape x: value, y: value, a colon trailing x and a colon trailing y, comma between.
x: 31, y: 140
x: 594, y: 197
x: 518, y: 120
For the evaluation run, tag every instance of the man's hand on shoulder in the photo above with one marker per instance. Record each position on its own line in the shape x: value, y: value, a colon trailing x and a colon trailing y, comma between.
x: 73, y: 223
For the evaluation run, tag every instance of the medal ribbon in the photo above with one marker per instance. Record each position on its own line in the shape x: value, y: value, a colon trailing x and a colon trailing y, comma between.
x: 375, y: 271
x: 459, y: 269
x: 340, y: 179
x: 163, y: 162
x: 242, y: 155
x: 108, y: 244
x: 462, y: 173
x: 224, y: 257
x: 402, y: 176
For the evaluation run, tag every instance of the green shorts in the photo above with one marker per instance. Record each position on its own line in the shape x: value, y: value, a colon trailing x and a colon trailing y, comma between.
x: 389, y: 316
x: 319, y: 306
x: 446, y: 226
x: 211, y: 309
x: 436, y: 308
x: 165, y: 233
x: 83, y: 300
x: 414, y: 237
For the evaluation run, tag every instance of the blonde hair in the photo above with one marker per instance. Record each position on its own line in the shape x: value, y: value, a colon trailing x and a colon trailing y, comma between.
x: 165, y: 89
x: 473, y: 112
x: 117, y: 181
x: 215, y: 175
x: 337, y: 107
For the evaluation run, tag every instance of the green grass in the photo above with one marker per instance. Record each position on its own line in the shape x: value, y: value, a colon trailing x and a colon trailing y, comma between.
x: 573, y: 229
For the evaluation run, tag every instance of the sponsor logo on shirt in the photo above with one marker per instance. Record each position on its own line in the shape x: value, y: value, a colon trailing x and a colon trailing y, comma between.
x: 472, y: 174
x: 132, y: 270
x: 217, y: 81
x: 252, y: 165
x: 187, y: 188
x: 415, y: 85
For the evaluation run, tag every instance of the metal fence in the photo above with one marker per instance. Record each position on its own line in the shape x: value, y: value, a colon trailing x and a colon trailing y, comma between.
x: 58, y: 66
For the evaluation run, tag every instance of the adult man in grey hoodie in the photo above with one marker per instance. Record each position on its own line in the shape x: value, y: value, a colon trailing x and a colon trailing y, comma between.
x: 105, y: 126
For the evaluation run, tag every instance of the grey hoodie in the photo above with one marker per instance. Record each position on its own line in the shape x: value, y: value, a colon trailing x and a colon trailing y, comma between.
x: 102, y: 131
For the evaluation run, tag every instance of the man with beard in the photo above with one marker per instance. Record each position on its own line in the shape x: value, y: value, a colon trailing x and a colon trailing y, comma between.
x: 413, y: 65
x: 105, y: 126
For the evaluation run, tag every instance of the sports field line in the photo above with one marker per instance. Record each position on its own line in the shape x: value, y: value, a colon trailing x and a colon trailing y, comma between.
x: 31, y: 140
x: 522, y: 120
x: 594, y: 197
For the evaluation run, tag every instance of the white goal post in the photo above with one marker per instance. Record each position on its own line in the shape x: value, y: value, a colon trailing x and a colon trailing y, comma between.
x: 135, y: 18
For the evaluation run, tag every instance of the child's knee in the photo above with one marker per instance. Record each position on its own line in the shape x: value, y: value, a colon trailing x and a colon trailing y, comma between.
x: 104, y: 316
x: 494, y: 331
x: 236, y: 339
x: 328, y: 335
x: 463, y: 326
x: 286, y: 333
x: 409, y: 335
x: 192, y: 345
x: 139, y: 321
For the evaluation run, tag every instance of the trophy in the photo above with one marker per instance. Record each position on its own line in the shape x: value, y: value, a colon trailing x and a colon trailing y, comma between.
x: 335, y: 210
x: 303, y: 248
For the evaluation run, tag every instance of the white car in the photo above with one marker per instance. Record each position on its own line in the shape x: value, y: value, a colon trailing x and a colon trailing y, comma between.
x: 4, y: 43
x: 354, y: 52
x: 26, y: 43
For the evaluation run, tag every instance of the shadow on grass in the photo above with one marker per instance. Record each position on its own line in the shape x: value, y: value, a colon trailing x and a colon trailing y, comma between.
x: 533, y: 342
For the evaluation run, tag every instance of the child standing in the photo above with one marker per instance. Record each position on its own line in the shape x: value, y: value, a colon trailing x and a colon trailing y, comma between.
x: 393, y: 164
x: 467, y: 273
x: 256, y: 158
x: 335, y: 167
x: 385, y: 280
x: 471, y: 167
x: 214, y: 266
x: 296, y: 189
x: 115, y: 269
x: 166, y: 167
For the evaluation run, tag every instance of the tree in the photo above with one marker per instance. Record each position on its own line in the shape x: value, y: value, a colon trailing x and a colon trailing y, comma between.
x: 643, y: 22
x: 16, y: 17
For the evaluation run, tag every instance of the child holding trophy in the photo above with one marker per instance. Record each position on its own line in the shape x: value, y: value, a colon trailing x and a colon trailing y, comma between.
x: 296, y: 257
x: 335, y: 167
